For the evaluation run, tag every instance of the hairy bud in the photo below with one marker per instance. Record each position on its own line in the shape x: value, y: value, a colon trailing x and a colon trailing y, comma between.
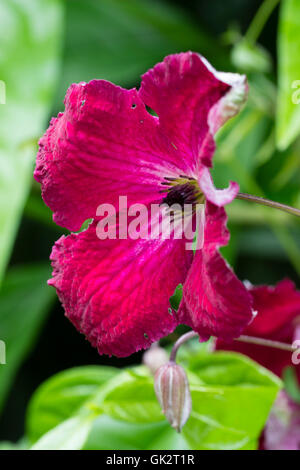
x: 173, y: 393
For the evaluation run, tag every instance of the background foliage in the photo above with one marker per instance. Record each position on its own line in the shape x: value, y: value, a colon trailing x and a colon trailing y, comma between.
x: 44, y: 46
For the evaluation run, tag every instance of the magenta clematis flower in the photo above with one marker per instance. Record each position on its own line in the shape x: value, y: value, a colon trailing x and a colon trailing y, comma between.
x: 278, y: 319
x: 107, y: 144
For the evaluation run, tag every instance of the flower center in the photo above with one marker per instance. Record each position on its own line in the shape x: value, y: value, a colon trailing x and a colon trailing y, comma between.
x: 182, y: 190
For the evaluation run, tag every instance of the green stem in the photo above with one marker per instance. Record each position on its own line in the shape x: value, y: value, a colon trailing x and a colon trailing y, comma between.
x: 260, y: 19
x: 269, y: 203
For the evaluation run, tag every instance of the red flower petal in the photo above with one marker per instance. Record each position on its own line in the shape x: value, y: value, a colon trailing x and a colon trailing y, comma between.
x: 104, y: 145
x: 192, y: 101
x: 107, y: 145
x: 214, y: 301
x: 276, y: 306
x: 117, y: 292
x: 219, y: 197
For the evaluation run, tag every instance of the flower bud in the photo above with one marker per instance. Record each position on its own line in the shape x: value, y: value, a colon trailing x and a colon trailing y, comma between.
x: 173, y: 393
x: 154, y: 358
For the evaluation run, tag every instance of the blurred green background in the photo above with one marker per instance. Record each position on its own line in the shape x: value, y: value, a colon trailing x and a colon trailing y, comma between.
x: 47, y: 44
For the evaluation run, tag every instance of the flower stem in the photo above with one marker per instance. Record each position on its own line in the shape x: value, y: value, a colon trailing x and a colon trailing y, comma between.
x: 243, y: 339
x: 266, y: 342
x: 260, y: 19
x: 269, y: 203
x: 183, y: 339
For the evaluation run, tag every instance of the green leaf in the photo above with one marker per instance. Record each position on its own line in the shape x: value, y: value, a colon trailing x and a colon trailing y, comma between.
x: 25, y: 299
x: 119, y: 40
x: 108, y: 433
x: 86, y: 392
x: 69, y: 435
x: 62, y: 396
x: 30, y: 40
x: 231, y: 395
x: 175, y: 299
x: 230, y: 410
x: 130, y: 397
x: 227, y: 368
x: 288, y: 111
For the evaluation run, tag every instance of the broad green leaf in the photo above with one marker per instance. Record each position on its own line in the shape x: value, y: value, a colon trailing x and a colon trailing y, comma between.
x: 86, y: 392
x: 230, y: 369
x: 108, y: 433
x: 30, y: 34
x: 230, y: 410
x: 231, y: 395
x: 24, y: 302
x: 62, y: 396
x: 119, y: 40
x: 288, y: 111
x: 130, y: 397
x: 69, y: 435
x: 105, y: 433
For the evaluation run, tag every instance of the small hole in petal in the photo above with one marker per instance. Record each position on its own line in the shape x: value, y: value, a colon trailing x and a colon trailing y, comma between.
x: 133, y: 106
x: 146, y: 336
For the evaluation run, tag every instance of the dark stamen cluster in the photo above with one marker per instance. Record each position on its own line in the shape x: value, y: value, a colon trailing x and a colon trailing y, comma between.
x: 181, y: 190
x: 180, y: 194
